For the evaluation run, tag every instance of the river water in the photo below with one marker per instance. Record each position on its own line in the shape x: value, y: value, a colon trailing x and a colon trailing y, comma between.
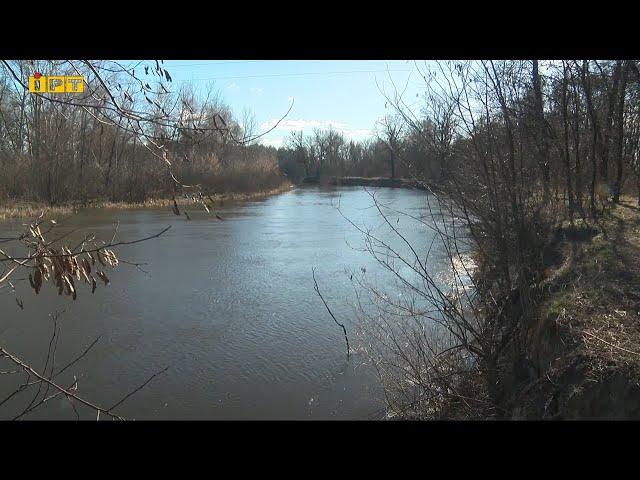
x: 229, y: 306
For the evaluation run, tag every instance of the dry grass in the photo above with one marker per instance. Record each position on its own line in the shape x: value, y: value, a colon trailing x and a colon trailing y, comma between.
x: 218, y: 199
x: 13, y: 209
x: 596, y: 301
x: 31, y: 209
x: 584, y: 345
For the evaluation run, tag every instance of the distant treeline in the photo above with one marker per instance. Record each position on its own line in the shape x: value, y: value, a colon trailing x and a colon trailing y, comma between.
x: 69, y: 148
x: 392, y: 153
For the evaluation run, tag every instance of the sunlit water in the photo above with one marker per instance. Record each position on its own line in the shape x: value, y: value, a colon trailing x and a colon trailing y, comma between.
x: 228, y: 306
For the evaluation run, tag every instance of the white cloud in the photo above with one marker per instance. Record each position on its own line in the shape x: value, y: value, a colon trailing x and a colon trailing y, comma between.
x: 233, y: 87
x: 256, y: 90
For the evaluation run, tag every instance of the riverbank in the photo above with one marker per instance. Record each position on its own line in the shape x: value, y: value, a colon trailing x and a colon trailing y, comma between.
x: 362, y: 182
x: 23, y: 209
x: 582, y: 355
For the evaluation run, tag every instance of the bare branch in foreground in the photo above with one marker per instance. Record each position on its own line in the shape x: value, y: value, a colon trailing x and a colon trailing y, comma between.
x: 68, y: 392
x: 317, y: 289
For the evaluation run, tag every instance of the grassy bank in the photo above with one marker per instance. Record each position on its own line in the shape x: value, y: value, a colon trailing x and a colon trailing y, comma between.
x: 22, y: 209
x: 583, y: 348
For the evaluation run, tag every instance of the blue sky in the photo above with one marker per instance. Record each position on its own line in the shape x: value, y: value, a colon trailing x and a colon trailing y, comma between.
x: 341, y: 93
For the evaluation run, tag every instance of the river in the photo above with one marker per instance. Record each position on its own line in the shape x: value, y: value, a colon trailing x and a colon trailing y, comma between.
x: 229, y: 306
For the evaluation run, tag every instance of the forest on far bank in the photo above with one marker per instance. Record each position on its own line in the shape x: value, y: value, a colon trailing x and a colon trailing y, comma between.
x: 64, y: 149
x: 75, y: 149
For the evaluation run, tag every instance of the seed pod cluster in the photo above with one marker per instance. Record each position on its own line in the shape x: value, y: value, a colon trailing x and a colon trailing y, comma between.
x: 64, y: 268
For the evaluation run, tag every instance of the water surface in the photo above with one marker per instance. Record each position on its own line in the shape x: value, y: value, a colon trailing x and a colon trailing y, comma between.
x: 228, y: 306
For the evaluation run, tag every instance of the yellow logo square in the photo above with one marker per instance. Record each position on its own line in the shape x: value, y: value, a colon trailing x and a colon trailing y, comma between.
x: 55, y: 84
x: 74, y: 84
x: 37, y: 85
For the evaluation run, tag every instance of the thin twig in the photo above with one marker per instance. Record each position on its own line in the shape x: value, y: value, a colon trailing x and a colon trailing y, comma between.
x: 317, y: 289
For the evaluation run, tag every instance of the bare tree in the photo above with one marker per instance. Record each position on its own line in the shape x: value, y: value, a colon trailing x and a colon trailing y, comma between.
x: 390, y: 132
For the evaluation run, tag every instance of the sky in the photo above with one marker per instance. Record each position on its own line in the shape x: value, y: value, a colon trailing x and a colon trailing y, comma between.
x: 338, y: 93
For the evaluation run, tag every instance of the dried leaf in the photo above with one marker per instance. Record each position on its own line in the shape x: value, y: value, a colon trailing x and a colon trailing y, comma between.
x: 103, y: 277
x: 84, y: 274
x: 37, y: 280
x: 87, y: 266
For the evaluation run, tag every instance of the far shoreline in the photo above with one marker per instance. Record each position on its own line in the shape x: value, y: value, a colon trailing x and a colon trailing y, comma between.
x: 27, y: 209
x: 324, y: 180
x: 13, y: 208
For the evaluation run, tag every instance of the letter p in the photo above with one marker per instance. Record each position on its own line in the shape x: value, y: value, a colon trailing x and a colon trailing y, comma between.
x: 55, y: 85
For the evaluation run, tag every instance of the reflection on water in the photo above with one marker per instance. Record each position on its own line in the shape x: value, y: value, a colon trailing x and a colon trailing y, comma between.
x: 228, y: 305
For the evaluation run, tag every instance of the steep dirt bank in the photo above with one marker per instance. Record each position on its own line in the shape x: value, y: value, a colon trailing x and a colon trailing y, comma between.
x: 582, y: 353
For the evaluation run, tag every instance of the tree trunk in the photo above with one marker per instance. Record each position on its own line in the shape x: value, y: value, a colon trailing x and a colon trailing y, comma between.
x: 576, y: 141
x: 620, y: 134
x: 611, y: 108
x: 567, y: 162
x: 541, y: 133
x: 393, y: 163
x: 595, y: 143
